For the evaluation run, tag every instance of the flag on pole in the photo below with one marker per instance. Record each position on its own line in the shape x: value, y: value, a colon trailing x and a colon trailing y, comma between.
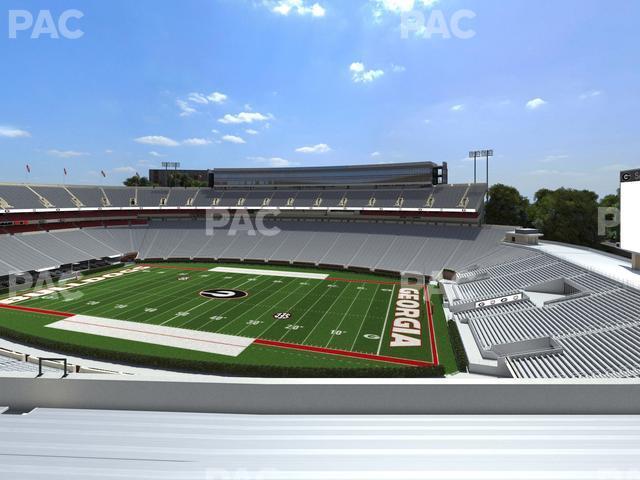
x: 103, y: 174
x: 28, y: 168
x: 65, y: 171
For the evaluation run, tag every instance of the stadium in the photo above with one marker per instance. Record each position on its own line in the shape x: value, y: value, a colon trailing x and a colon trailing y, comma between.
x: 370, y: 270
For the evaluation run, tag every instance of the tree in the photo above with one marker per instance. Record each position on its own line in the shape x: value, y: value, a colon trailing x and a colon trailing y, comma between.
x: 506, y: 206
x: 566, y: 215
x: 182, y: 180
x: 137, y: 181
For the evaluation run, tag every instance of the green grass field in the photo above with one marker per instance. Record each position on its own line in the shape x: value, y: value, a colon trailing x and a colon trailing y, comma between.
x: 344, y: 321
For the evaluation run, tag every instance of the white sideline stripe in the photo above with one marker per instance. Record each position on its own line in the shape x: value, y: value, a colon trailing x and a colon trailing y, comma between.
x: 270, y: 273
x: 219, y: 344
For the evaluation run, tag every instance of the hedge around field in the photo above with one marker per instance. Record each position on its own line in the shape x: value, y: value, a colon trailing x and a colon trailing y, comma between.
x: 462, y: 361
x: 216, y: 368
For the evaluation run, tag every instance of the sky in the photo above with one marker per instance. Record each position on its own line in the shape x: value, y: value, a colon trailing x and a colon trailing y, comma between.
x: 552, y: 86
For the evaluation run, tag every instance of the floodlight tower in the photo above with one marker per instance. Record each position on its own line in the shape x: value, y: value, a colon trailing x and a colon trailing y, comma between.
x: 475, y: 154
x: 167, y: 166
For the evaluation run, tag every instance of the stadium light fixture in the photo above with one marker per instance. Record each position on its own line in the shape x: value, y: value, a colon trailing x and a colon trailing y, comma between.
x: 475, y: 154
x: 167, y: 166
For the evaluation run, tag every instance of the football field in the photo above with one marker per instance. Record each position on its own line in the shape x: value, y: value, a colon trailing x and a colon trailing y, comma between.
x: 240, y: 313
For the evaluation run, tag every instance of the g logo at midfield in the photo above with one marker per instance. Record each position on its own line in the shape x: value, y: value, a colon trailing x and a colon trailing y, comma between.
x: 223, y: 294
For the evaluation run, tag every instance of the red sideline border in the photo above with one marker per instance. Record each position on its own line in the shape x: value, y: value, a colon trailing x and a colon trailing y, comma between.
x: 432, y: 329
x: 38, y: 310
x: 344, y: 353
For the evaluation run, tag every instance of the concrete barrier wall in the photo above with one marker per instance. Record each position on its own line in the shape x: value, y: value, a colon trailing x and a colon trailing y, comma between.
x: 327, y: 397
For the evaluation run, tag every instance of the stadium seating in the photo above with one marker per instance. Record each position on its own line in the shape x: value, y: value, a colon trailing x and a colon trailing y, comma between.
x: 598, y: 330
x: 450, y: 197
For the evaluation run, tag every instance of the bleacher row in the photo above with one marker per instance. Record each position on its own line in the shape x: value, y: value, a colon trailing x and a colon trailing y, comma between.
x: 383, y: 246
x: 17, y: 197
x: 598, y: 330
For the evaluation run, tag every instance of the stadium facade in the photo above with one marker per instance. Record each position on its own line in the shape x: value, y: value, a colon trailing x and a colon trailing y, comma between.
x: 415, y: 173
x: 522, y: 312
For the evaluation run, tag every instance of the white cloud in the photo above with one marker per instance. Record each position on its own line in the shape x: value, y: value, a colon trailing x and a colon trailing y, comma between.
x: 197, y: 98
x: 196, y: 142
x: 156, y: 154
x: 554, y: 158
x: 217, y: 97
x: 127, y: 170
x: 376, y: 154
x: 457, y: 108
x: 274, y: 161
x: 399, y: 6
x: 66, y: 153
x: 250, y: 131
x: 108, y: 151
x: 535, y: 103
x: 320, y: 148
x: 398, y: 68
x: 158, y: 140
x: 244, y: 117
x: 202, y: 99
x: 299, y: 7
x: 233, y: 139
x: 359, y: 73
x: 185, y: 109
x: 590, y: 94
x: 10, y: 132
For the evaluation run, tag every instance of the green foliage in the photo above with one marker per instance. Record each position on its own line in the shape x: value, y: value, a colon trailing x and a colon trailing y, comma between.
x: 462, y: 360
x: 506, y: 206
x: 182, y: 180
x: 566, y: 215
x: 137, y: 181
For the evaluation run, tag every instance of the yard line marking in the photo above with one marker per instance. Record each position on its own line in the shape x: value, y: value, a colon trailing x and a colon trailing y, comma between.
x: 386, y: 320
x: 327, y: 312
x: 343, y: 318
x: 355, y: 340
x: 305, y: 313
x: 208, y: 303
x: 275, y: 322
x: 176, y: 292
x: 127, y: 283
x: 227, y: 310
x: 285, y: 285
